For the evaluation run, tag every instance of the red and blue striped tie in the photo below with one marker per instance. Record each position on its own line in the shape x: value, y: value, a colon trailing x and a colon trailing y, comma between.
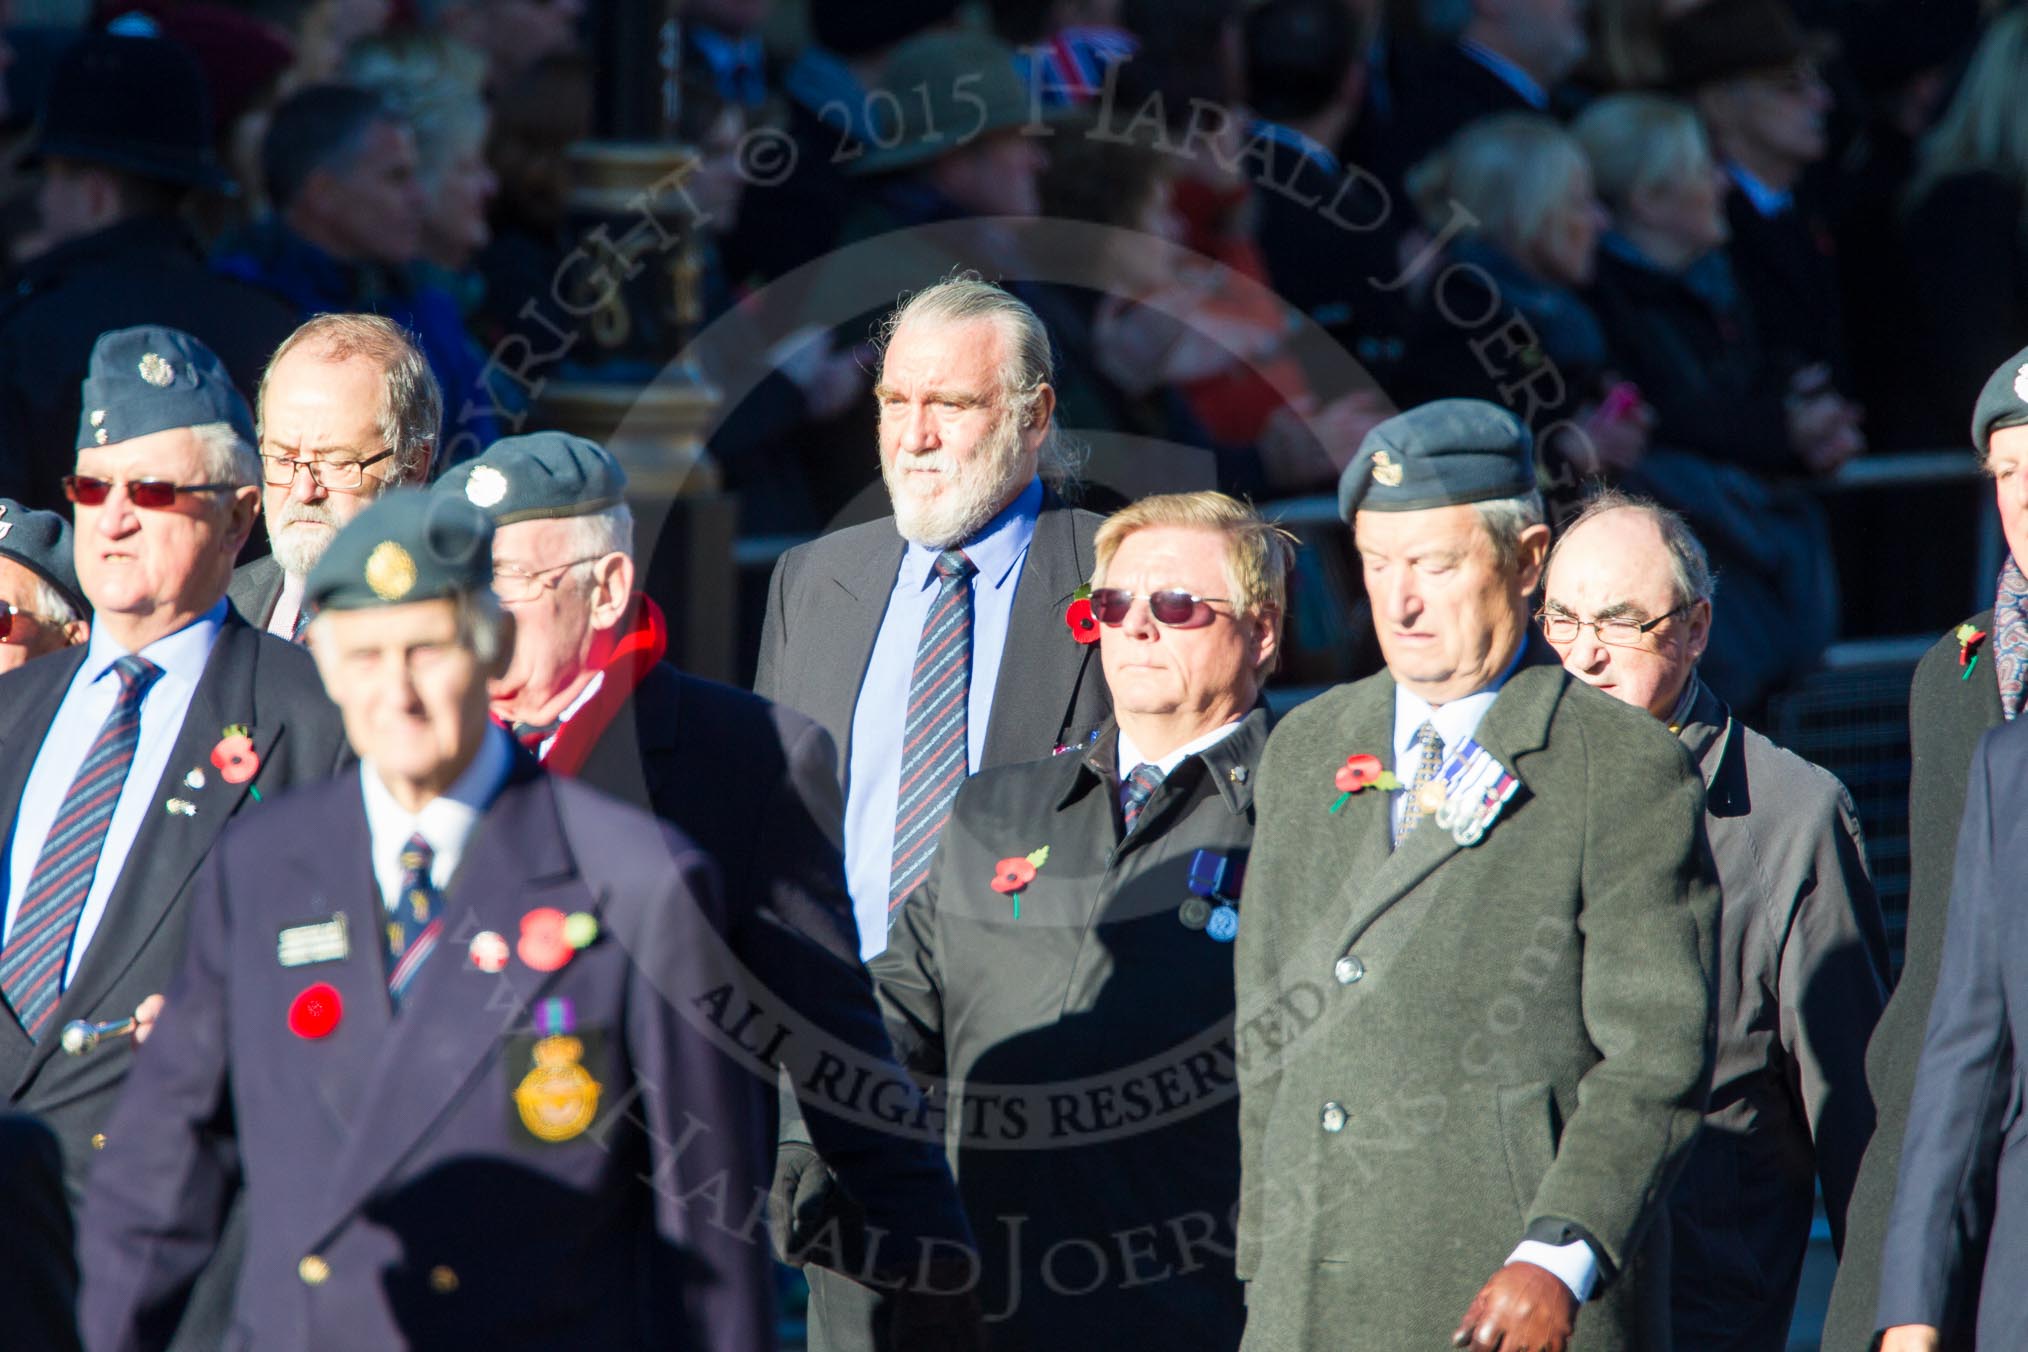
x: 413, y: 925
x: 38, y: 945
x: 934, y: 743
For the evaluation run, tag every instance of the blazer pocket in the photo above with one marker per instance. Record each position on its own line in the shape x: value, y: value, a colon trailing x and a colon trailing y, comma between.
x: 1528, y: 1130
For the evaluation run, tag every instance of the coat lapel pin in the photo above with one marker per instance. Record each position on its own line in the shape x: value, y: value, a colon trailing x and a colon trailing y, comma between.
x: 549, y: 938
x: 1078, y: 615
x: 1969, y: 640
x: 1015, y: 872
x: 235, y: 758
x: 489, y: 952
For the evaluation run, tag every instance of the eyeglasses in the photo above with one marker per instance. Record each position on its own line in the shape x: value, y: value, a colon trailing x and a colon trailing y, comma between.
x: 335, y: 476
x: 1173, y: 607
x: 1612, y: 633
x: 154, y: 494
x: 511, y: 584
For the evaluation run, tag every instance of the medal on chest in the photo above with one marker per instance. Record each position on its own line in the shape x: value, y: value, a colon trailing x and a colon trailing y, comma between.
x: 1468, y: 794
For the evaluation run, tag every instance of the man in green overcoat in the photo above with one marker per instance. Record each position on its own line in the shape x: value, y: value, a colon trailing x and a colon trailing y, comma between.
x: 1475, y: 998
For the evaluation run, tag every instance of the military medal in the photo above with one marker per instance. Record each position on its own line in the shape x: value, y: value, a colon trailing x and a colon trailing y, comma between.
x: 1430, y: 797
x: 180, y: 807
x: 1213, y: 878
x: 194, y: 780
x: 558, y: 1098
x: 1223, y: 924
x: 1195, y: 913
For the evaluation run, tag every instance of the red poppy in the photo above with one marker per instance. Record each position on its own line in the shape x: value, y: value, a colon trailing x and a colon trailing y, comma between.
x: 236, y: 759
x: 543, y: 946
x: 1083, y: 624
x: 1012, y: 874
x: 1357, y: 772
x: 315, y: 1012
x: 1967, y: 643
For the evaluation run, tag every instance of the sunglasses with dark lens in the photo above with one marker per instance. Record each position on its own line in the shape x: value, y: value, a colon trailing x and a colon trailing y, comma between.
x: 153, y: 494
x: 7, y: 614
x: 1172, y: 607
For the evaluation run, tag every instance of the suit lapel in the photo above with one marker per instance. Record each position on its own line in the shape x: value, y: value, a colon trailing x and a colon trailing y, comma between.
x: 1516, y: 726
x: 857, y: 597
x: 451, y: 1027
x: 1041, y: 661
x: 169, y: 847
x: 33, y: 695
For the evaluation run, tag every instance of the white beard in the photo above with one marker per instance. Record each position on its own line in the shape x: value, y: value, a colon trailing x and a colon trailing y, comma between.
x: 298, y: 550
x: 974, y: 490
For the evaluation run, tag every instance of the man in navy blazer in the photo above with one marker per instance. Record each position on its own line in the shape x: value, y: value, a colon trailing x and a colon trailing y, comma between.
x: 440, y: 1022
x: 1962, y: 1161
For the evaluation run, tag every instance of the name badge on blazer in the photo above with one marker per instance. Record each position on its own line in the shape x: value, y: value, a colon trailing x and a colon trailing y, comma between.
x: 317, y: 941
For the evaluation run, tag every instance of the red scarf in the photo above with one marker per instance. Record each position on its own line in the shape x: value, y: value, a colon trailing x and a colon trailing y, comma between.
x: 640, y: 647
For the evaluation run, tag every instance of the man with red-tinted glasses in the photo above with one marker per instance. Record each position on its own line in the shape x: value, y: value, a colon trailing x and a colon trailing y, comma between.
x: 41, y: 609
x: 122, y: 751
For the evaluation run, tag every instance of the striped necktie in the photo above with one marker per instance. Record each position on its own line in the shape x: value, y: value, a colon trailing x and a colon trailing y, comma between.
x: 413, y: 919
x: 1427, y: 767
x: 1142, y: 781
x: 38, y: 944
x: 934, y: 735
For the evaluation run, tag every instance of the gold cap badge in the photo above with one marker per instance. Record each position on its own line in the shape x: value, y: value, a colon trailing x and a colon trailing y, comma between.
x: 390, y: 571
x: 1385, y: 471
x: 486, y: 486
x: 156, y: 371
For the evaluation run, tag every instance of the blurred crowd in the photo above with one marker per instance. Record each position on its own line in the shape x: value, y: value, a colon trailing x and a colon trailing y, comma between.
x: 1710, y: 251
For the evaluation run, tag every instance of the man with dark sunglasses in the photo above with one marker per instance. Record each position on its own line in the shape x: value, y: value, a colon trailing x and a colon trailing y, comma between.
x: 346, y: 410
x: 1802, y: 950
x: 122, y: 759
x: 1480, y: 997
x: 41, y: 609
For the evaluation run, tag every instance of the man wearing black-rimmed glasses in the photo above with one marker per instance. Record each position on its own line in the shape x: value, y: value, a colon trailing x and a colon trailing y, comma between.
x: 1802, y: 955
x: 116, y: 764
x: 347, y: 409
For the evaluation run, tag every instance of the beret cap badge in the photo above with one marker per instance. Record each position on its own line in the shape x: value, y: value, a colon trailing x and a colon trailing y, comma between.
x: 156, y: 370
x: 390, y: 572
x: 2021, y: 383
x: 1385, y: 471
x: 486, y: 487
x: 98, y: 417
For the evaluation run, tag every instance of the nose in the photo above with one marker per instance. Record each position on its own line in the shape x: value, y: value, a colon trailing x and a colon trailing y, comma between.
x: 303, y: 485
x: 1398, y: 599
x: 915, y: 431
x: 1140, y: 621
x: 117, y: 515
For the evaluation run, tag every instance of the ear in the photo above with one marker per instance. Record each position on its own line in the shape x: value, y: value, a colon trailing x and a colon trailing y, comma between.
x: 1044, y: 410
x: 1267, y: 637
x: 241, y: 513
x: 77, y: 632
x: 1530, y: 552
x: 1699, y: 636
x: 612, y: 590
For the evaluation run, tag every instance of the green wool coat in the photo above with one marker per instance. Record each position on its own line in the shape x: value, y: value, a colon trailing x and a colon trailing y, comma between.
x: 1520, y: 1043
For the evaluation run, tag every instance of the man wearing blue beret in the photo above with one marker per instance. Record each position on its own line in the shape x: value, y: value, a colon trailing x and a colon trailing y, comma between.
x: 453, y: 1004
x: 41, y: 609
x: 1475, y: 1008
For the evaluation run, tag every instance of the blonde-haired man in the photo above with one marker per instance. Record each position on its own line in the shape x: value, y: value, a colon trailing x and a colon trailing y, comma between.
x: 1071, y: 948
x: 347, y: 409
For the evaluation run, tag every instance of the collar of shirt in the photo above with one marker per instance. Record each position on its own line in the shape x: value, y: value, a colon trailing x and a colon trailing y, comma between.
x: 1455, y: 720
x: 1130, y: 755
x: 995, y: 551
x: 583, y: 698
x: 446, y: 821
x: 1768, y: 202
x: 1307, y: 146
x: 181, y: 655
x: 288, y: 605
x: 1509, y: 74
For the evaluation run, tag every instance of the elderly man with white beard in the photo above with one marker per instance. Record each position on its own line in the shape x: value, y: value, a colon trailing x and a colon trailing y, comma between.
x: 949, y: 637
x: 347, y: 409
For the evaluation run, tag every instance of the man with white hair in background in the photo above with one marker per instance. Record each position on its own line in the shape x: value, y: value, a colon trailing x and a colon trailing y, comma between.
x: 1802, y: 950
x: 137, y: 746
x: 347, y: 409
x: 41, y: 609
x: 935, y: 643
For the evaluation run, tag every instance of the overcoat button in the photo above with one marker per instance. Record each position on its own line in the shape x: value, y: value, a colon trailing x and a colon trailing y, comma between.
x: 313, y: 1270
x: 443, y: 1280
x: 1348, y: 969
x: 1333, y: 1117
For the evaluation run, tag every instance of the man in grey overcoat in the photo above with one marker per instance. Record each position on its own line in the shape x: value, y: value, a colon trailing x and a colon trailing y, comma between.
x: 1802, y: 951
x: 1475, y: 995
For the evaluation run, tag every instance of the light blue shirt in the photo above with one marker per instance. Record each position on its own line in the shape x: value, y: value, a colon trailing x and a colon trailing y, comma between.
x: 86, y: 705
x: 1129, y: 755
x: 446, y: 821
x: 1574, y: 1264
x: 997, y: 551
x: 1509, y: 74
x: 1768, y: 202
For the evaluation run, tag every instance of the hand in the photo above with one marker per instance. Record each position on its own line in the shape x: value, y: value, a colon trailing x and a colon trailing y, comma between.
x: 1825, y: 430
x: 799, y: 1201
x: 145, y: 1015
x: 1609, y: 441
x: 1524, y: 1308
x: 1910, y: 1338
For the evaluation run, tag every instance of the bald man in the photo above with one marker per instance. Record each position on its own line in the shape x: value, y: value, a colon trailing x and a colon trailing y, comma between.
x: 1802, y: 954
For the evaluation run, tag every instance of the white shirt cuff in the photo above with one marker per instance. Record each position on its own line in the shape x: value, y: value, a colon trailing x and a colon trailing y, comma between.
x: 1574, y: 1264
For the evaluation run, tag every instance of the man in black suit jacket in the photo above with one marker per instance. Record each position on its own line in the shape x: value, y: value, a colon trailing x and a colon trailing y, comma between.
x: 347, y: 409
x: 976, y: 542
x: 226, y: 717
x: 755, y: 785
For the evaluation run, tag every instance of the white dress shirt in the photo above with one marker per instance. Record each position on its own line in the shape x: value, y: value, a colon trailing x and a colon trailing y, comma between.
x: 446, y: 821
x: 288, y: 605
x: 85, y: 707
x: 1574, y: 1264
x: 1130, y: 755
